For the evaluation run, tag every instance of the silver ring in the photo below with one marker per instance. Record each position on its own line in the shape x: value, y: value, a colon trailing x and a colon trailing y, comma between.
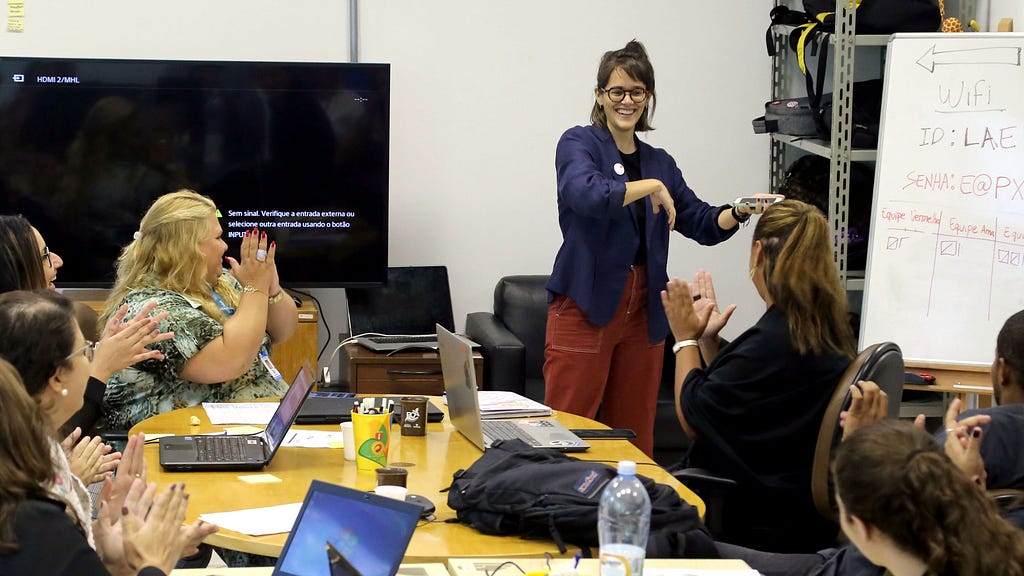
x: 261, y: 255
x: 950, y: 430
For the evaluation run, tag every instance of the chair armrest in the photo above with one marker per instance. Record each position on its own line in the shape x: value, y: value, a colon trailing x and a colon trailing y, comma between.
x: 504, y: 354
x: 713, y: 490
x: 699, y: 477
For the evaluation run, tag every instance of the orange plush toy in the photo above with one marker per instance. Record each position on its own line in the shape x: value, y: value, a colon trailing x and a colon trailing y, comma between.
x: 952, y: 24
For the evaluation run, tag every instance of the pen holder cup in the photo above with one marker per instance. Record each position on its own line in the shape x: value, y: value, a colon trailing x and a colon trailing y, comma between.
x: 372, y: 435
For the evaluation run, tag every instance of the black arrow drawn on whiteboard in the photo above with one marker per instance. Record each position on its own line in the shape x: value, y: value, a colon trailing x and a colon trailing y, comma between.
x: 1003, y: 55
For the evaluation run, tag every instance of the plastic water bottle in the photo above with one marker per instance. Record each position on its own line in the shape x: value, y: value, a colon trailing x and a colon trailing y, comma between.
x: 623, y: 523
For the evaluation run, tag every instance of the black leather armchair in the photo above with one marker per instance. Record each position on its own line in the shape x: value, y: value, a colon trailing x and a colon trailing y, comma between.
x: 512, y: 343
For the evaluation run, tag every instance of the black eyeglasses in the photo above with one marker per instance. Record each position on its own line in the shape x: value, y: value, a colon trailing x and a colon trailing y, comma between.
x: 89, y: 351
x: 46, y: 256
x: 616, y: 94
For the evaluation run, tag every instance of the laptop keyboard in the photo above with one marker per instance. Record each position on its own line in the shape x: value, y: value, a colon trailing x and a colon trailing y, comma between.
x: 401, y: 339
x: 220, y: 448
x: 505, y: 430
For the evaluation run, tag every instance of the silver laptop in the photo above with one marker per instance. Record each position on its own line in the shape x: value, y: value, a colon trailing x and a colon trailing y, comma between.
x: 464, y: 406
x: 238, y: 452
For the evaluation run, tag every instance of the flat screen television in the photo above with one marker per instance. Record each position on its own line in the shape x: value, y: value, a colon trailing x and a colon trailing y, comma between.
x: 297, y: 149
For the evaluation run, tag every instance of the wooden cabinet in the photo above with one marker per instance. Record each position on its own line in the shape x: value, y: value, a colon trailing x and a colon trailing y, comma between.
x: 370, y: 372
x: 289, y: 356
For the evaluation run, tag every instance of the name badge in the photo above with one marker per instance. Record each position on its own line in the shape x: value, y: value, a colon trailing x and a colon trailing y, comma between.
x: 269, y: 365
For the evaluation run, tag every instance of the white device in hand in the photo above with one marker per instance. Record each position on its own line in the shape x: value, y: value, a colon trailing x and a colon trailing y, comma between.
x: 766, y: 199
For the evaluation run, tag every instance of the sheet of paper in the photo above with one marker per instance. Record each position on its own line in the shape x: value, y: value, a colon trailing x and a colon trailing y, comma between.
x: 257, y: 521
x: 509, y: 404
x: 698, y: 572
x: 240, y: 412
x: 259, y: 479
x: 313, y: 439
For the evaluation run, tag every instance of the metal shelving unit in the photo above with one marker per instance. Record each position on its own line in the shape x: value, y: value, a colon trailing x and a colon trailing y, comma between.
x: 838, y: 149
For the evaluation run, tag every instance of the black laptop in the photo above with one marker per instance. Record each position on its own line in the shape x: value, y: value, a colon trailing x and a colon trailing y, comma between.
x: 404, y: 312
x: 344, y: 532
x: 238, y: 452
x: 336, y: 407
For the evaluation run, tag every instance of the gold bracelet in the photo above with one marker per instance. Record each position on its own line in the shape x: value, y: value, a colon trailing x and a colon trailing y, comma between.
x: 276, y: 298
x: 249, y: 288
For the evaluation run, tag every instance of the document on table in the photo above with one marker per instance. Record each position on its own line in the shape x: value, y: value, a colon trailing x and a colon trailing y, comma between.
x: 313, y: 439
x: 240, y: 412
x: 698, y: 572
x: 497, y: 404
x: 257, y: 521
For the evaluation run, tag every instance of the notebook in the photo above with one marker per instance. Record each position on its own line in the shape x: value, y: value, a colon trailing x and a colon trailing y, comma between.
x: 404, y: 311
x: 341, y: 532
x: 464, y: 406
x: 335, y: 407
x: 238, y: 452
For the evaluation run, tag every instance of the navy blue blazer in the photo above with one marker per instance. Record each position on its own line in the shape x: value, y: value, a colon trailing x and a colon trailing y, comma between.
x: 599, y: 236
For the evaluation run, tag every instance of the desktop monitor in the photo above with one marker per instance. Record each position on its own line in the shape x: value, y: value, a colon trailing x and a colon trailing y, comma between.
x: 299, y: 150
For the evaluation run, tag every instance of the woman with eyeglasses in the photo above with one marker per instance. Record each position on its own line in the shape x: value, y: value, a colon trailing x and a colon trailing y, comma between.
x: 618, y: 200
x: 46, y: 525
x: 27, y: 263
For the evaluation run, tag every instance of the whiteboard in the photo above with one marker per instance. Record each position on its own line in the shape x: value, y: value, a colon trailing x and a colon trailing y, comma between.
x: 946, y: 251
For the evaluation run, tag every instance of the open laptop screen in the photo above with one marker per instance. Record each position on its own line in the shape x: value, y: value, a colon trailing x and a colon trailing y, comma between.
x: 288, y: 409
x: 416, y: 298
x: 371, y: 532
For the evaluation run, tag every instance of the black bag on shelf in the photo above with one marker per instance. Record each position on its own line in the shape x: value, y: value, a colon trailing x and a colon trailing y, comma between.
x: 866, y: 116
x: 807, y: 178
x: 881, y: 16
x: 793, y: 116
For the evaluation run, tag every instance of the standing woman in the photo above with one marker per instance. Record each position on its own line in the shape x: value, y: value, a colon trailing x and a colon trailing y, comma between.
x: 618, y: 199
x: 223, y: 321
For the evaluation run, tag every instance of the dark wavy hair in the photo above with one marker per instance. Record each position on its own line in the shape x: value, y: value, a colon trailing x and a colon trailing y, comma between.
x: 37, y: 333
x: 893, y: 476
x: 21, y: 266
x: 634, y: 62
x: 1010, y: 346
x: 801, y: 277
x: 25, y: 464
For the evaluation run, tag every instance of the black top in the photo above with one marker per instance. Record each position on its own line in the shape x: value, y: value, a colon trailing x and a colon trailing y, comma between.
x: 91, y: 410
x: 631, y: 163
x: 757, y: 409
x: 49, y: 543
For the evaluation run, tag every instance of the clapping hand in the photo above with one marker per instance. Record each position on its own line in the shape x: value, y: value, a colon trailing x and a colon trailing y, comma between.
x: 89, y: 458
x: 963, y: 442
x: 132, y: 467
x: 257, y: 267
x: 125, y: 343
x: 868, y: 403
x: 684, y: 320
x: 704, y: 298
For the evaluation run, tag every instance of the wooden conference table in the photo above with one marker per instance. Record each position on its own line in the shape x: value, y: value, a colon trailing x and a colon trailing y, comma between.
x: 431, y: 461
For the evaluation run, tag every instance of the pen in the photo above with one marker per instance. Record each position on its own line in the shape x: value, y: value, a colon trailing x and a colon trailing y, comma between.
x: 577, y: 562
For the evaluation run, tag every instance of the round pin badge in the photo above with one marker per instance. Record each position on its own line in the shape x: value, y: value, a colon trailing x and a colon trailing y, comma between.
x: 619, y: 169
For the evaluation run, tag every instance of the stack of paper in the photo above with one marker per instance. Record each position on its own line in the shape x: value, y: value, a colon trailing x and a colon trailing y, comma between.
x: 498, y: 404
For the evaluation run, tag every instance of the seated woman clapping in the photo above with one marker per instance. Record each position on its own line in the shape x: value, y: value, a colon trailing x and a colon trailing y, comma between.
x: 27, y: 263
x: 754, y: 405
x: 223, y: 321
x: 45, y: 369
x: 908, y: 508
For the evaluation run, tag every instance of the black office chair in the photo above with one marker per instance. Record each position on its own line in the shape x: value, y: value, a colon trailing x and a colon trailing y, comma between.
x: 881, y: 363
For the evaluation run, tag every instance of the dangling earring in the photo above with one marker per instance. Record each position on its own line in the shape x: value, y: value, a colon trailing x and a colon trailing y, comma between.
x: 752, y: 271
x: 63, y: 391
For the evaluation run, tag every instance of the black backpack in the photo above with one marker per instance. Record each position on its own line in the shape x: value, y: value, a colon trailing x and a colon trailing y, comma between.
x: 517, y: 489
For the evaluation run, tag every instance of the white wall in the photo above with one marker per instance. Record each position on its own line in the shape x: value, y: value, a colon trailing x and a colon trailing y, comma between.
x: 481, y: 91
